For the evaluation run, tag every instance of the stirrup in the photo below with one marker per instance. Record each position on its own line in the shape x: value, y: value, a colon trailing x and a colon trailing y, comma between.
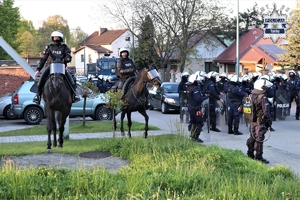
x: 75, y: 99
x: 37, y: 99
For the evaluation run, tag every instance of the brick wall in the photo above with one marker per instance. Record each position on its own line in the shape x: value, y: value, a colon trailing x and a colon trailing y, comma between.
x: 11, y: 78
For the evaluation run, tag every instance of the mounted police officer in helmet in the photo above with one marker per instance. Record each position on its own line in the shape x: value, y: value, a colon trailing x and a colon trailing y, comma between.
x: 56, y: 52
x: 125, y: 70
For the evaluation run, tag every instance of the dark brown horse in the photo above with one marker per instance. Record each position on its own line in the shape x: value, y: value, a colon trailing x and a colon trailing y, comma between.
x: 58, y: 102
x: 135, y: 99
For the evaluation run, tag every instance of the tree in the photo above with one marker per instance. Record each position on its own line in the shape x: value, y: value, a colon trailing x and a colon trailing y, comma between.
x: 53, y: 23
x: 9, y: 23
x: 77, y: 36
x: 175, y: 22
x: 146, y: 53
x: 292, y: 56
x: 27, y: 37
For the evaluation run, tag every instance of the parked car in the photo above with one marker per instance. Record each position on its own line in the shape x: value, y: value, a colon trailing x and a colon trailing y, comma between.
x: 165, y: 98
x: 5, y: 107
x: 23, y: 106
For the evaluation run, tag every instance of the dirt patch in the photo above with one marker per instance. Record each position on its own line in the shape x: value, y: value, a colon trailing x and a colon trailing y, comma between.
x: 88, y: 160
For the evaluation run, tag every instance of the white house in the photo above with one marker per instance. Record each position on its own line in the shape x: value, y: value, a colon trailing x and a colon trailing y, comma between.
x: 203, y: 50
x: 97, y: 44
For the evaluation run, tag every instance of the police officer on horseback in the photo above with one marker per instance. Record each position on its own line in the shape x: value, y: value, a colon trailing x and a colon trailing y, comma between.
x: 56, y: 52
x: 125, y: 70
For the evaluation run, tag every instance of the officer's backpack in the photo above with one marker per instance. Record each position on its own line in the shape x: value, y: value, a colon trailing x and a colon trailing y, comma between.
x: 248, y: 109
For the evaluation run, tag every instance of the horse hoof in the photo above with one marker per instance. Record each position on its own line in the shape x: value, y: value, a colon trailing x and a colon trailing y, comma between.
x: 123, y: 133
x: 59, y: 145
x: 48, y: 151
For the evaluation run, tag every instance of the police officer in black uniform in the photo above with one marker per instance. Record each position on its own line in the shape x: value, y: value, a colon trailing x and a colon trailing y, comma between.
x: 213, y: 98
x: 235, y: 98
x: 294, y: 88
x: 245, y: 84
x: 195, y: 99
x: 261, y: 120
x: 57, y: 52
x: 182, y: 91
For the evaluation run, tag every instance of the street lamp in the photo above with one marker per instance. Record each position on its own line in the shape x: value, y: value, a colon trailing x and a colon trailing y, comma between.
x: 237, y: 66
x: 133, y: 34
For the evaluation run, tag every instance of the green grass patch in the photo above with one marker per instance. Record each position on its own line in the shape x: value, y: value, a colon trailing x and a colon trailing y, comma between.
x: 161, y: 167
x: 77, y: 127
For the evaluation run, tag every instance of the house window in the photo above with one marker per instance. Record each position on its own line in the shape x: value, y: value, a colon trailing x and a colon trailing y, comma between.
x: 209, y: 67
x: 82, y: 57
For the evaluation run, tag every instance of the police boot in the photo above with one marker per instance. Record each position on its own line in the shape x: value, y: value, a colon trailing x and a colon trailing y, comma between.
x: 236, y: 131
x: 259, y: 153
x: 72, y: 82
x: 40, y: 84
x: 297, y: 112
x: 230, y: 131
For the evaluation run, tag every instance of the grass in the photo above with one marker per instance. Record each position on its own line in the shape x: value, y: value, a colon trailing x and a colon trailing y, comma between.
x: 76, y: 127
x: 161, y: 167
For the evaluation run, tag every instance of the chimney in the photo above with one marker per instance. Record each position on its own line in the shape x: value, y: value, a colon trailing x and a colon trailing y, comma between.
x: 102, y: 30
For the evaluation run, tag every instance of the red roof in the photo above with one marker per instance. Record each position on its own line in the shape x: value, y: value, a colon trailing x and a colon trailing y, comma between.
x: 249, y: 38
x: 103, y: 37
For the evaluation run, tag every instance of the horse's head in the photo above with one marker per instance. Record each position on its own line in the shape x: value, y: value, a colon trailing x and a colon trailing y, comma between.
x: 57, y: 71
x: 153, y: 76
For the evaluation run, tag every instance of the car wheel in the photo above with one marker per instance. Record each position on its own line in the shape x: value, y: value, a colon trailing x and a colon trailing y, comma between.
x: 103, y: 113
x: 33, y: 115
x: 164, y: 108
x: 8, y: 113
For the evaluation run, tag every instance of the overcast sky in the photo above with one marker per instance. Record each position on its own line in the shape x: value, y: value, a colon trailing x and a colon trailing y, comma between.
x: 81, y: 12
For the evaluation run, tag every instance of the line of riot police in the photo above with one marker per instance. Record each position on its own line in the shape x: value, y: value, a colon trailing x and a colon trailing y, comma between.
x: 201, y: 93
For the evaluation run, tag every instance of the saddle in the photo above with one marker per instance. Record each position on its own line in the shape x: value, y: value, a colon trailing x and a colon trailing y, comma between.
x: 127, y: 85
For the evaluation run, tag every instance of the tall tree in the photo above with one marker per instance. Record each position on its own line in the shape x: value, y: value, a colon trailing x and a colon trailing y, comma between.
x: 77, y: 35
x: 175, y: 22
x: 27, y: 37
x: 53, y: 23
x: 146, y: 53
x: 292, y: 56
x: 9, y: 23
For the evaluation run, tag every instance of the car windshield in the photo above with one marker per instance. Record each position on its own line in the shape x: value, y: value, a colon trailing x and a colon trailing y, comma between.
x: 170, y: 88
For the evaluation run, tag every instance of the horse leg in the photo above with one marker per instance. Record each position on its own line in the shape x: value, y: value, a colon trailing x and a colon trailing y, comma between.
x: 143, y: 112
x: 122, y: 122
x: 129, y: 123
x: 50, y: 128
x: 62, y: 120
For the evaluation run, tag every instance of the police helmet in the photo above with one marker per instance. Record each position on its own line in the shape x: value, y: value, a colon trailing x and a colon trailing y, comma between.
x: 264, y: 77
x: 234, y: 78
x: 100, y: 76
x: 254, y: 75
x: 192, y: 78
x: 123, y: 50
x: 278, y: 75
x: 261, y: 85
x: 272, y: 78
x: 212, y: 74
x: 284, y: 77
x: 223, y: 75
x: 291, y: 72
x: 57, y: 34
x: 245, y: 78
x: 186, y: 74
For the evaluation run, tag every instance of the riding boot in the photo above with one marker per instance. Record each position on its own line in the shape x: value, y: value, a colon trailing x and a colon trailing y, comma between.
x: 40, y: 84
x: 72, y: 81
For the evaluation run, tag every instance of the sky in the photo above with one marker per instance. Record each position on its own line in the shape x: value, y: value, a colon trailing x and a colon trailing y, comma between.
x: 82, y: 13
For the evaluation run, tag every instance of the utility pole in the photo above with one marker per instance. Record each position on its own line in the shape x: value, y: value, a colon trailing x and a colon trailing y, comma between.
x: 237, y: 66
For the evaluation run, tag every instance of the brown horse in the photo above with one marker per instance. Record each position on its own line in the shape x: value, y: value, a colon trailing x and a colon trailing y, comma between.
x: 135, y: 99
x: 58, y: 102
